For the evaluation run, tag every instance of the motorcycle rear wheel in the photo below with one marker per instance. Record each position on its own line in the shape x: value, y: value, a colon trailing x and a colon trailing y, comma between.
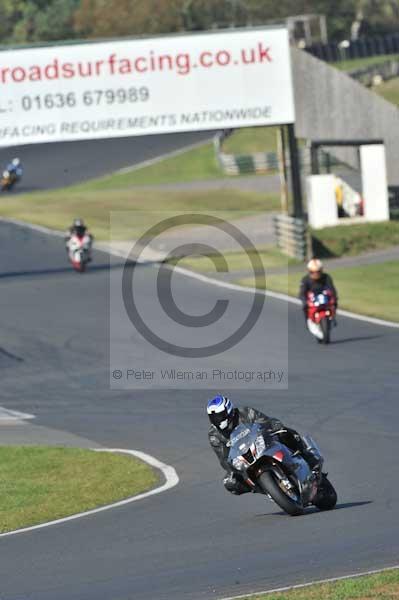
x: 268, y: 482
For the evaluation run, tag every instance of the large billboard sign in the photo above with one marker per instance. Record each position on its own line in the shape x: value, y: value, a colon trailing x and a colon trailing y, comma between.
x: 145, y: 86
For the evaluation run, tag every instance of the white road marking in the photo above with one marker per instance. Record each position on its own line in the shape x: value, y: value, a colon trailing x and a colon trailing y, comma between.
x: 305, y: 585
x: 210, y: 280
x: 13, y: 416
x: 169, y: 473
x: 280, y: 296
x: 39, y: 228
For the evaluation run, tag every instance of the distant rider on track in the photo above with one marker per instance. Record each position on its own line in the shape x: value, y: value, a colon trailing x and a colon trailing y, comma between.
x: 79, y: 229
x: 224, y: 418
x: 14, y: 169
x: 315, y: 281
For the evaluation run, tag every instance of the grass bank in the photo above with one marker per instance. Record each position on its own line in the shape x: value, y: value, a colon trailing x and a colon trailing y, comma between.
x: 194, y: 165
x: 389, y: 90
x: 252, y: 139
x: 40, y: 484
x: 381, y: 586
x: 237, y: 261
x: 350, y: 240
x: 359, y: 63
x: 371, y: 290
x: 57, y: 209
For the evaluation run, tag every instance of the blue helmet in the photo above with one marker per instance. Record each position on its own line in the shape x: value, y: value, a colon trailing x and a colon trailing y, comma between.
x: 220, y: 412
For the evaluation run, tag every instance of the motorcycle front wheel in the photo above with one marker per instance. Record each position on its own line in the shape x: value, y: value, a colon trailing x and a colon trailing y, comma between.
x: 326, y: 498
x: 272, y: 486
x: 325, y: 325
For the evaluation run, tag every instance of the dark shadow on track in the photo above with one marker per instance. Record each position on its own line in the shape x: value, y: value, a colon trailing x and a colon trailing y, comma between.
x: 313, y: 510
x: 342, y: 505
x: 352, y: 504
x: 21, y: 190
x: 8, y: 357
x: 355, y: 339
x: 58, y: 270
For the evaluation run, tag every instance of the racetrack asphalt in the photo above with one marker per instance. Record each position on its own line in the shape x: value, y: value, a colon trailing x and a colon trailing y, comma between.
x: 59, y: 164
x: 195, y: 541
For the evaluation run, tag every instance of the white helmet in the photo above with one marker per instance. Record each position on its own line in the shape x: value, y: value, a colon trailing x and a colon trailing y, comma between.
x: 315, y: 265
x: 16, y: 162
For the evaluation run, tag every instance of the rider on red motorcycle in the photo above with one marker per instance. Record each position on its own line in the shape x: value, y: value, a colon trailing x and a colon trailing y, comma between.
x: 315, y: 281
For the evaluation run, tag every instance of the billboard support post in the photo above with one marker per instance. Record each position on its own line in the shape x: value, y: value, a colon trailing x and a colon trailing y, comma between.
x: 295, y: 173
x: 282, y: 162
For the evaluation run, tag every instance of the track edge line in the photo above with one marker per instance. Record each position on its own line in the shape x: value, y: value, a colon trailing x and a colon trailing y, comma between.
x: 210, y: 280
x: 305, y: 585
x: 171, y: 480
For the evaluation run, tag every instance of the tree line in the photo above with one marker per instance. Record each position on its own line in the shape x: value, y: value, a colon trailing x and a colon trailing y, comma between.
x: 29, y: 21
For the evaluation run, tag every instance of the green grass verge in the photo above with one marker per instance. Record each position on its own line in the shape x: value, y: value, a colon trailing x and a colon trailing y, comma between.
x: 371, y: 290
x: 237, y: 261
x: 381, y: 586
x: 252, y: 139
x: 359, y: 63
x: 350, y: 240
x: 56, y: 209
x: 389, y: 90
x: 40, y: 484
x: 196, y: 164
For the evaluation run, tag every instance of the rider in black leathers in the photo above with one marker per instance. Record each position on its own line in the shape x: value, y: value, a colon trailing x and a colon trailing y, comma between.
x: 218, y: 439
x: 315, y: 281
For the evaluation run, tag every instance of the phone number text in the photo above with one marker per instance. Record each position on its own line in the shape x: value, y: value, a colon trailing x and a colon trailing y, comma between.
x: 88, y: 98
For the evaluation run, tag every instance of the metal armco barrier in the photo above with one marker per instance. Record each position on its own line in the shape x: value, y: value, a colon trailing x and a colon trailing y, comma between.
x: 233, y: 164
x: 291, y: 236
x: 261, y: 162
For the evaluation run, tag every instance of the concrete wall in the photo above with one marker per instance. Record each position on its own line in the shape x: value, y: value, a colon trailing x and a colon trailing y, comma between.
x: 331, y: 105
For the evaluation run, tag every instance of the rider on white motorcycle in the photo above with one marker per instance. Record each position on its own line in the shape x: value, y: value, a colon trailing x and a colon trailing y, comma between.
x: 79, y: 229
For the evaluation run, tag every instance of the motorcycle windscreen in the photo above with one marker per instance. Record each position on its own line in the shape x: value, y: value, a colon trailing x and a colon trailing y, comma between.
x: 322, y: 299
x: 241, y: 439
